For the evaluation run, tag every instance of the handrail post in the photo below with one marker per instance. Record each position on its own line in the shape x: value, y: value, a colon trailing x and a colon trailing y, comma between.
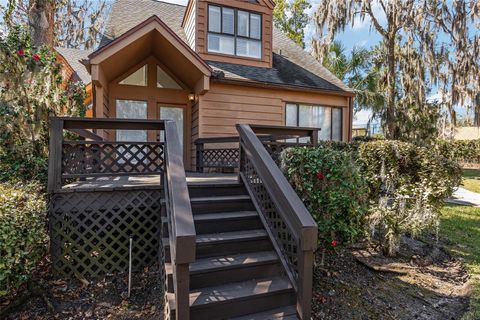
x: 305, y: 279
x: 55, y: 155
x: 199, y: 160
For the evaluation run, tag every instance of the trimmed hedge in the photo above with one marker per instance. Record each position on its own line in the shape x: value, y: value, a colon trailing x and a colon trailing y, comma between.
x: 401, y: 186
x: 463, y: 151
x: 23, y: 236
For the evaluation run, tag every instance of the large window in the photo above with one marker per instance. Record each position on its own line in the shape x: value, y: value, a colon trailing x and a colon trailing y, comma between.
x: 328, y: 119
x: 234, y: 32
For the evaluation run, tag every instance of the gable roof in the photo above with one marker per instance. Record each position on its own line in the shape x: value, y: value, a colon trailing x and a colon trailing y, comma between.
x: 292, y: 66
x: 74, y: 58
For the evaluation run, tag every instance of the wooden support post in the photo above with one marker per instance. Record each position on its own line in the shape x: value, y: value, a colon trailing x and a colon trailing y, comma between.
x: 55, y: 155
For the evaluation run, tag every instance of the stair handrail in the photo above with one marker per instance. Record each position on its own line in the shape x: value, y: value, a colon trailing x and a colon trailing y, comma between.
x: 288, y: 222
x: 181, y: 226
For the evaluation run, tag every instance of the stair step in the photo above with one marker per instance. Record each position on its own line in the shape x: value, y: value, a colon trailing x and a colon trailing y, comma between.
x: 227, y: 221
x: 210, y: 190
x: 285, y: 313
x: 235, y: 242
x: 230, y: 268
x: 221, y: 204
x: 239, y: 298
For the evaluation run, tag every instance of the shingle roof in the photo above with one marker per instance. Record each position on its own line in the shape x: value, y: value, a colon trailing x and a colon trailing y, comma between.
x: 292, y: 66
x: 73, y: 57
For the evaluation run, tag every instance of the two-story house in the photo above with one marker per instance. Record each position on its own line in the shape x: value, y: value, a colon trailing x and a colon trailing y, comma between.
x: 210, y: 65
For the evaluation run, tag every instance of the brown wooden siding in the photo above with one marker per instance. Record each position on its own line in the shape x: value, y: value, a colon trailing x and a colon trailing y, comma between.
x: 194, y: 130
x: 225, y: 105
x: 202, y: 23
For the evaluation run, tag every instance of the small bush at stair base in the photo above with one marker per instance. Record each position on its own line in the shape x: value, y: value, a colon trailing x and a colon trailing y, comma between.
x: 22, y: 235
x: 331, y: 186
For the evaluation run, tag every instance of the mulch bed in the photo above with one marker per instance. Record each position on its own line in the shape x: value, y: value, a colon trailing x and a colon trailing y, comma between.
x: 74, y: 299
x: 423, y: 282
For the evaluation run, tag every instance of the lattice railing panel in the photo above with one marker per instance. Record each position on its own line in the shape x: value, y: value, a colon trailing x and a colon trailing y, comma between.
x: 275, y: 149
x: 90, y: 231
x: 219, y: 158
x: 108, y: 158
x: 284, y: 236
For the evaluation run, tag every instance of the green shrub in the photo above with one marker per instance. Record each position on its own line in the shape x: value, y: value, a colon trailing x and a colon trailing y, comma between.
x: 332, y: 188
x: 402, y: 185
x: 23, y: 166
x: 464, y: 151
x: 407, y: 188
x: 22, y: 235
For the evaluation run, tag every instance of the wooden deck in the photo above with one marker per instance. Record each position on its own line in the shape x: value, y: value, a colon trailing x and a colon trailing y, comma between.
x: 144, y: 182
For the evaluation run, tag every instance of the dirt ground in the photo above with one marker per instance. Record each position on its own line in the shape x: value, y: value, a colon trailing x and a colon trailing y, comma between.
x: 424, y: 282
x: 106, y: 298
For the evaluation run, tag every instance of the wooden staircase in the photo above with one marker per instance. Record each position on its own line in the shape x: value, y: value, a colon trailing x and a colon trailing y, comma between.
x: 236, y: 274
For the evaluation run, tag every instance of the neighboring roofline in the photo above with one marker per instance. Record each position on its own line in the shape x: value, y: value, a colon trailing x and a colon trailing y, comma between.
x: 270, y: 85
x: 152, y: 19
x: 70, y: 66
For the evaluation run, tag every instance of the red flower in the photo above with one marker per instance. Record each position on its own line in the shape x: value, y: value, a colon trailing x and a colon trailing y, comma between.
x: 36, y: 57
x: 334, y: 243
x: 21, y: 52
x: 320, y: 176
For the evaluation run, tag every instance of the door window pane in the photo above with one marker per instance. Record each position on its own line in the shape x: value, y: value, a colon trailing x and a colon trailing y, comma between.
x: 336, y: 124
x: 228, y: 21
x: 255, y: 26
x: 214, y: 16
x: 221, y: 44
x: 175, y: 114
x: 130, y: 109
x: 138, y: 78
x: 165, y: 81
x: 243, y: 23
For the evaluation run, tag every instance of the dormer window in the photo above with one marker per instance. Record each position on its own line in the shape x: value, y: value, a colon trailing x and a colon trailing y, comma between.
x: 234, y: 32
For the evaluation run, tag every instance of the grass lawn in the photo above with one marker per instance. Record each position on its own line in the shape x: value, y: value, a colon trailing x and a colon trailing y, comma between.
x: 471, y: 179
x: 461, y: 226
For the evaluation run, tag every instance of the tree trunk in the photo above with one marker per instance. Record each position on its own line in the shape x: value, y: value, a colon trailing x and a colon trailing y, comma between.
x: 390, y: 118
x: 41, y: 18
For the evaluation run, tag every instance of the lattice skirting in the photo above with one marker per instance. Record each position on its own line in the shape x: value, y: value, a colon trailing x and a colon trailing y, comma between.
x: 90, y: 231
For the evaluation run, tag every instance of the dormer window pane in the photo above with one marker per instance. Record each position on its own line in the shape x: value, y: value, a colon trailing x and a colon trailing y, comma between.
x: 249, y: 48
x: 243, y: 23
x: 255, y: 26
x: 221, y: 44
x: 228, y: 21
x: 234, y: 32
x: 214, y: 18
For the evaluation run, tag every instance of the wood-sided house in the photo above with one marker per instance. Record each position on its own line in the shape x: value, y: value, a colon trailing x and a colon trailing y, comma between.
x: 209, y: 66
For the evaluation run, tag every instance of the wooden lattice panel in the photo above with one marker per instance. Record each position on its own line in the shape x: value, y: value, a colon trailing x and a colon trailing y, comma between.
x: 118, y: 157
x: 284, y: 236
x: 220, y: 158
x: 90, y: 231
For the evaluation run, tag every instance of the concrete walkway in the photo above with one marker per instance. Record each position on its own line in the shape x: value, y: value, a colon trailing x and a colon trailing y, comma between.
x: 464, y: 197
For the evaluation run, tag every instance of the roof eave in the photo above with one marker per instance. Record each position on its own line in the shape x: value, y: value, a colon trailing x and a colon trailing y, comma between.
x: 283, y: 86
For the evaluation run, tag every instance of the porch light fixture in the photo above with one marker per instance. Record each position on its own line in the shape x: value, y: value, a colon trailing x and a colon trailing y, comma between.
x: 192, y: 97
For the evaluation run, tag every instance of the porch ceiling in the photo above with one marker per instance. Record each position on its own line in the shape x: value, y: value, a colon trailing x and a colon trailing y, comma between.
x: 151, y: 38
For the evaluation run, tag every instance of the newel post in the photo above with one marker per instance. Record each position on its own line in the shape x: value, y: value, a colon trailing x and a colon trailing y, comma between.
x: 55, y: 155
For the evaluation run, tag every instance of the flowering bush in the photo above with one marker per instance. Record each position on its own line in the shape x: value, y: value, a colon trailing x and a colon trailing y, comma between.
x: 31, y: 90
x: 22, y: 235
x: 332, y: 188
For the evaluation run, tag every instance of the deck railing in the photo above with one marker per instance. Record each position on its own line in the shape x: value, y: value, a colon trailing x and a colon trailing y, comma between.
x: 90, y: 223
x: 181, y: 226
x: 91, y: 156
x: 288, y: 222
x: 212, y: 154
